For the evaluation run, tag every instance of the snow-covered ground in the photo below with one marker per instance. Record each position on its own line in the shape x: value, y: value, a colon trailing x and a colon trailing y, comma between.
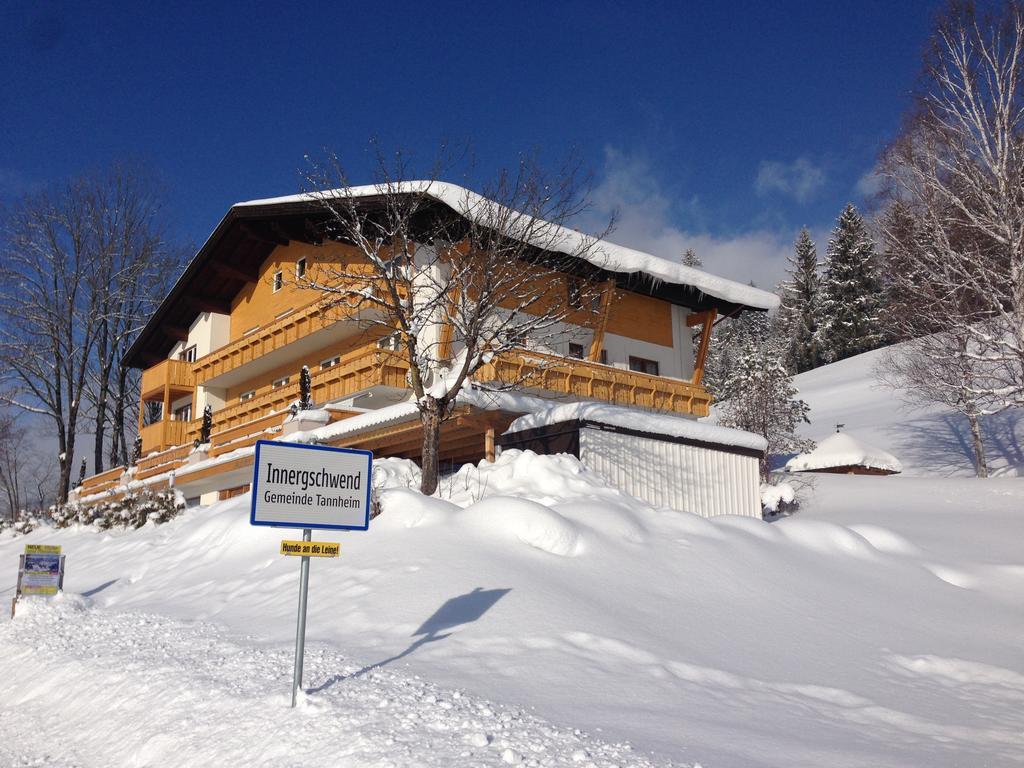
x: 880, y: 626
x: 932, y: 440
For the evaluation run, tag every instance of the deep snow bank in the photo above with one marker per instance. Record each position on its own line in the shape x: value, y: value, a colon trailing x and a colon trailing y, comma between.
x: 879, y: 627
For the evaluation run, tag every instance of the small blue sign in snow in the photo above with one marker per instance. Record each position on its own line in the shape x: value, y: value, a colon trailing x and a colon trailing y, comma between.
x: 311, y: 486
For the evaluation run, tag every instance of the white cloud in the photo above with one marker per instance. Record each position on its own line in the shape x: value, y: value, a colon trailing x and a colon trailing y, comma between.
x: 650, y: 219
x: 869, y: 185
x: 800, y: 179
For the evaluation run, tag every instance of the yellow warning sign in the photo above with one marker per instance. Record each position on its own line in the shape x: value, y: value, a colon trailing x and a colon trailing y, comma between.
x: 311, y: 548
x: 42, y: 549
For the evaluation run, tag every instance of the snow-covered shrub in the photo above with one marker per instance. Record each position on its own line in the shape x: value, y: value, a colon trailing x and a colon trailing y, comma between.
x: 26, y: 522
x: 777, y: 500
x: 130, y: 512
x: 392, y: 473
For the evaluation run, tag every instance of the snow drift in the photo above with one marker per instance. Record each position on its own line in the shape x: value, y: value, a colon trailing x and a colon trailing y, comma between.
x: 880, y: 626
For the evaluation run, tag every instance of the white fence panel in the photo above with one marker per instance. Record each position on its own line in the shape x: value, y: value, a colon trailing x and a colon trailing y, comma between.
x: 665, y: 474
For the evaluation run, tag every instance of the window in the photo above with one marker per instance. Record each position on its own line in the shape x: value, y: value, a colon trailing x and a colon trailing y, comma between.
x: 188, y: 355
x: 391, y: 341
x: 643, y: 365
x: 300, y: 267
x: 395, y: 266
x: 287, y: 312
x: 247, y: 395
x: 604, y: 357
x: 576, y: 350
x: 278, y: 383
x: 278, y: 280
x: 252, y: 330
x: 184, y: 413
x: 575, y: 293
x: 329, y: 362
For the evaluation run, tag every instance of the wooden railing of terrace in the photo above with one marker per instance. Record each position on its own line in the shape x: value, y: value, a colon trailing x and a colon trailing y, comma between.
x: 363, y: 367
x: 589, y: 380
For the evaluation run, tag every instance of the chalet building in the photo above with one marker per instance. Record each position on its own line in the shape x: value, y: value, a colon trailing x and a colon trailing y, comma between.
x: 236, y: 329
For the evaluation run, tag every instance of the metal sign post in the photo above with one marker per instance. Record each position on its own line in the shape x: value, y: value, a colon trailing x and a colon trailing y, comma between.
x: 300, y: 629
x: 309, y: 486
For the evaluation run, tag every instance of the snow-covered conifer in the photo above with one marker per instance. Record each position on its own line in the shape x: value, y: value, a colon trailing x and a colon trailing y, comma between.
x: 691, y: 259
x: 759, y: 397
x: 305, y: 385
x: 800, y: 311
x: 850, y: 291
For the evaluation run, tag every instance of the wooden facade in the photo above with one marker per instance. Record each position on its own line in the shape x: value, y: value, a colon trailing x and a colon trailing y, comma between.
x: 236, y: 331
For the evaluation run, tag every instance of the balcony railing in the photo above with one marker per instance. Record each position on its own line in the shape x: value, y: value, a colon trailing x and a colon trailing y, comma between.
x: 363, y: 367
x: 264, y: 340
x: 163, y: 434
x: 177, y: 375
x: 584, y: 379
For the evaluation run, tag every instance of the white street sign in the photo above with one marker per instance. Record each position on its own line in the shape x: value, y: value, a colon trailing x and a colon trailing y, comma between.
x: 311, y: 486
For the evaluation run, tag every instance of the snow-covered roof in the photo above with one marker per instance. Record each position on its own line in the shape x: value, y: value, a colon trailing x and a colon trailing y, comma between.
x: 844, y: 450
x: 645, y: 421
x: 603, y: 254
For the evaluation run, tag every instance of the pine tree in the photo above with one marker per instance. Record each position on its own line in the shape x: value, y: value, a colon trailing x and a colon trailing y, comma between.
x: 137, y: 450
x: 728, y: 341
x: 850, y: 291
x: 800, y: 312
x: 206, y: 427
x: 759, y: 397
x: 305, y: 385
x: 81, y: 474
x: 691, y: 259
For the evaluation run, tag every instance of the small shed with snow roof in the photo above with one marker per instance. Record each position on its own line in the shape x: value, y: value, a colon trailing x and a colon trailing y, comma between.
x: 844, y: 454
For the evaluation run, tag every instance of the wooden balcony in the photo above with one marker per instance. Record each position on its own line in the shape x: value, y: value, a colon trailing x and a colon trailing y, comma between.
x: 593, y: 381
x: 176, y: 375
x: 164, y: 434
x: 101, y: 482
x: 264, y: 340
x: 363, y: 367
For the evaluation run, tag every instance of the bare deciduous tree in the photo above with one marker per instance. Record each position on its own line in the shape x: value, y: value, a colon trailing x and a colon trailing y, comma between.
x: 81, y: 265
x: 131, y: 266
x: 954, y: 225
x: 457, y: 282
x: 48, y: 311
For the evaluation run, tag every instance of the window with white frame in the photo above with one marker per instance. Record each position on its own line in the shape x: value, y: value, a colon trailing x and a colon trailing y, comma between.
x: 278, y: 383
x: 300, y: 268
x: 330, y: 362
x: 247, y: 395
x: 278, y: 280
x: 576, y: 350
x: 184, y: 413
x: 188, y: 355
x: 391, y: 341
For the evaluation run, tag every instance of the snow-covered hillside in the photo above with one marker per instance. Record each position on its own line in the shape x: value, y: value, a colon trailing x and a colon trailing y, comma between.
x: 927, y: 441
x: 881, y: 626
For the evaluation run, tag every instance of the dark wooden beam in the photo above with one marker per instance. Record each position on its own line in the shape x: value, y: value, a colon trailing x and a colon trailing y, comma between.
x: 234, y: 272
x: 262, y: 233
x: 210, y: 304
x: 175, y: 332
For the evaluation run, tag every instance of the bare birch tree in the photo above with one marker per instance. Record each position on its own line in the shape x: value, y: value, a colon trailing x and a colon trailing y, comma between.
x: 457, y: 282
x: 957, y: 173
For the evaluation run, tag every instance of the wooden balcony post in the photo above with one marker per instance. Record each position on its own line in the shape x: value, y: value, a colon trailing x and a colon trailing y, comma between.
x: 707, y: 321
x: 166, y: 415
x: 602, y: 322
x: 489, y: 444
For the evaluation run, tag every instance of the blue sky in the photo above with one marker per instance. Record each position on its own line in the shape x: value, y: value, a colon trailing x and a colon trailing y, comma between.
x: 719, y: 126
